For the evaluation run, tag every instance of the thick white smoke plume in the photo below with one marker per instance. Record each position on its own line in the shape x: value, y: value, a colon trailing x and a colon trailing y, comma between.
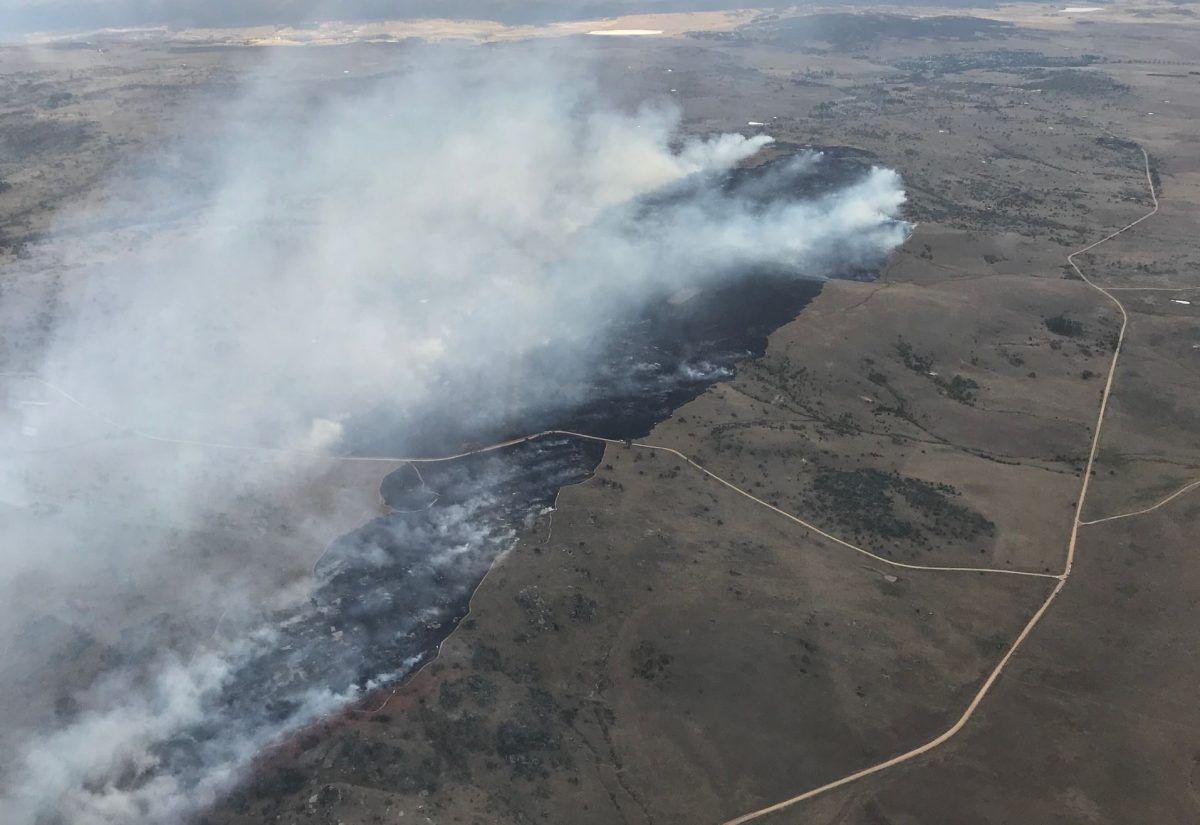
x: 358, y: 254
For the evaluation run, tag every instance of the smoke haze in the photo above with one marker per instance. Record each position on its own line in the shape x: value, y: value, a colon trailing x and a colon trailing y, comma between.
x: 322, y: 272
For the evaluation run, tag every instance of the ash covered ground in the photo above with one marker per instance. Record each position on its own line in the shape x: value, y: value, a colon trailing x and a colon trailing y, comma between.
x: 385, y: 595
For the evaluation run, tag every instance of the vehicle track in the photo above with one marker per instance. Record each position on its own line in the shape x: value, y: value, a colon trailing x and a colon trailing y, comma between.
x: 1184, y: 489
x: 1033, y: 622
x: 1060, y: 578
x: 501, y: 445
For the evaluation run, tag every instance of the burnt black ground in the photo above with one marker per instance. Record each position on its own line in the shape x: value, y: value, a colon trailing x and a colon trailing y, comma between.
x: 386, y: 595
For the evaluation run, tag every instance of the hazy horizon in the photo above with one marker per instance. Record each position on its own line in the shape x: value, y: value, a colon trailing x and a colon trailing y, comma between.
x: 26, y: 16
x: 23, y: 16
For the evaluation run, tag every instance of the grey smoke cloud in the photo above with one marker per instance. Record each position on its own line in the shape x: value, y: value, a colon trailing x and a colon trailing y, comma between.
x: 407, y: 248
x: 79, y: 773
